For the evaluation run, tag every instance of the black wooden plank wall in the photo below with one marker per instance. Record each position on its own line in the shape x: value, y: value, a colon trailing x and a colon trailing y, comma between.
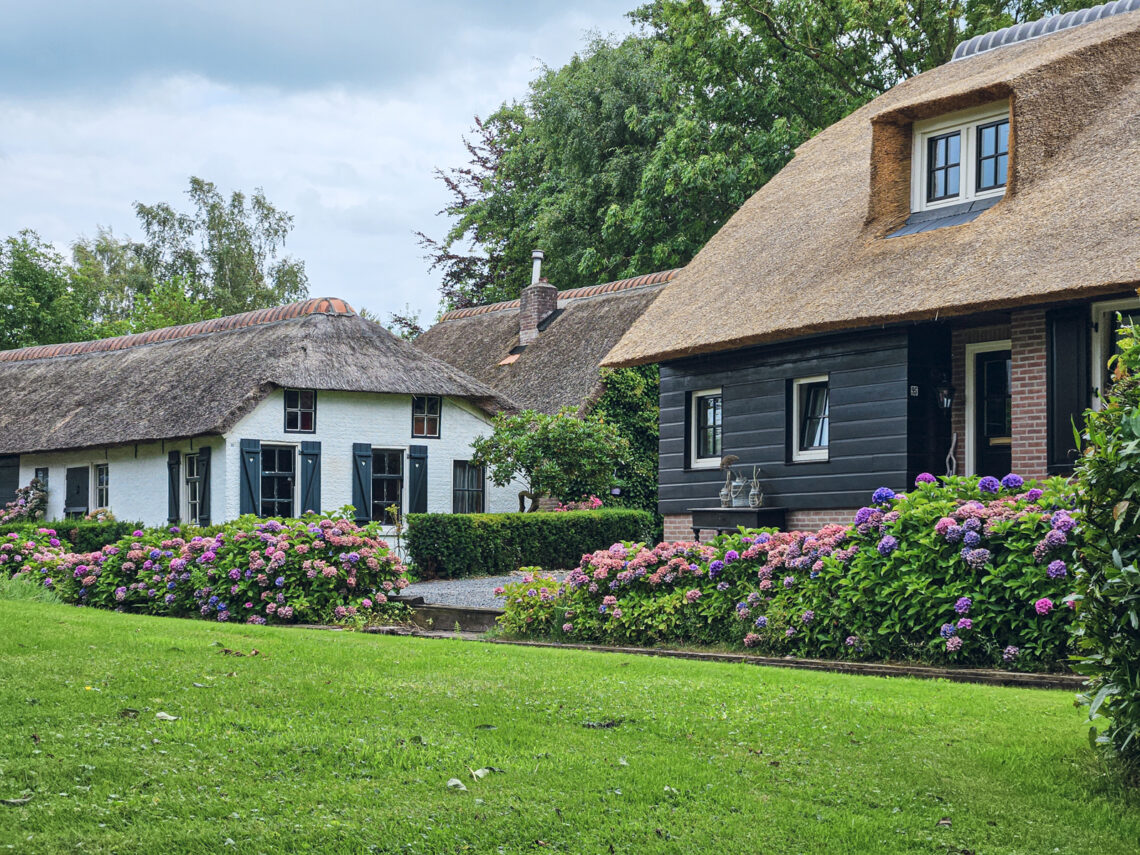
x: 868, y: 444
x: 9, y: 478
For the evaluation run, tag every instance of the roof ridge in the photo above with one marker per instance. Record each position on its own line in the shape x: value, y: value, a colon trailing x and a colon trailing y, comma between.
x: 1041, y: 27
x: 643, y: 281
x: 289, y: 311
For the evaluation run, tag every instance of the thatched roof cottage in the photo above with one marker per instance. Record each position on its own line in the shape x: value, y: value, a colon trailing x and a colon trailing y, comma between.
x: 544, y: 350
x: 933, y: 280
x: 301, y: 407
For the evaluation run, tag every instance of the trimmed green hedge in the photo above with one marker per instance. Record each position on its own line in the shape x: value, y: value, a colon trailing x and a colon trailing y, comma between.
x: 82, y: 535
x: 453, y: 545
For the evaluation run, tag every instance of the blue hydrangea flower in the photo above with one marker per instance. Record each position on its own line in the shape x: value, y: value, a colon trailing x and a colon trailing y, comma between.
x: 947, y: 630
x: 882, y: 495
x: 887, y: 545
x: 989, y: 484
x: 972, y: 538
x: 761, y: 622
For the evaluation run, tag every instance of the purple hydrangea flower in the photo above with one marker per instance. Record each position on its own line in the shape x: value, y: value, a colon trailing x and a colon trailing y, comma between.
x: 715, y: 568
x: 730, y: 556
x: 1032, y: 495
x: 971, y: 538
x: 972, y: 524
x: 1013, y: 481
x: 954, y: 533
x: 963, y: 605
x: 953, y: 644
x: 1057, y: 569
x: 567, y: 628
x: 789, y: 632
x: 789, y: 581
x: 1061, y: 520
x: 761, y: 622
x: 925, y: 478
x: 978, y: 558
x: 808, y: 616
x: 1010, y: 653
x: 989, y: 484
x: 279, y: 581
x: 1043, y: 606
x: 862, y: 515
x: 851, y: 640
x: 964, y: 624
x: 882, y: 495
x: 887, y: 545
x: 722, y: 586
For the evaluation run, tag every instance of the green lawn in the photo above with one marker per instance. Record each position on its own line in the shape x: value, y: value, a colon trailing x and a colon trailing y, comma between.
x: 340, y: 742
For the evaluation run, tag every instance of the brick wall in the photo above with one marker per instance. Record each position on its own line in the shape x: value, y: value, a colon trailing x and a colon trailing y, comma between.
x: 680, y: 526
x: 1030, y: 415
x: 817, y: 519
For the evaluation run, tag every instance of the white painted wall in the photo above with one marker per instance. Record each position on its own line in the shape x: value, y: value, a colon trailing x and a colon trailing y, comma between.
x: 383, y: 421
x: 138, y: 475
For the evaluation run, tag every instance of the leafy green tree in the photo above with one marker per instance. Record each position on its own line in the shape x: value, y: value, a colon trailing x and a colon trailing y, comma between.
x: 38, y: 303
x: 228, y: 252
x: 561, y: 456
x: 629, y: 403
x: 113, y: 279
x: 631, y: 156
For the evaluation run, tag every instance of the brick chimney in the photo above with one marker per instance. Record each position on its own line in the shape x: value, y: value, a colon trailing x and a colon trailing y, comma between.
x: 537, y: 302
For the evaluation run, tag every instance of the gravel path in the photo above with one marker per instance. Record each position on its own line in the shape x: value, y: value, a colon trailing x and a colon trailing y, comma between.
x: 478, y: 592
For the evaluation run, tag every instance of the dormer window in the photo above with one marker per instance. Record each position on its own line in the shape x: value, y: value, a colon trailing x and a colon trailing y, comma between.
x: 960, y: 158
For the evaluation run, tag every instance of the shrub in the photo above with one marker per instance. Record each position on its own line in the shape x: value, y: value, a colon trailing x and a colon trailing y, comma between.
x: 962, y: 572
x: 454, y: 545
x: 252, y: 570
x: 30, y: 504
x: 1108, y: 558
x: 78, y: 535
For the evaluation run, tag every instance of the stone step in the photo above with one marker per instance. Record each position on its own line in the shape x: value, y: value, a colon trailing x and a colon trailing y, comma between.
x: 445, y: 618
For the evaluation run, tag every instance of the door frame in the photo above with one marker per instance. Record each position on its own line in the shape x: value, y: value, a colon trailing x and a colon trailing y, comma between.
x: 972, y: 351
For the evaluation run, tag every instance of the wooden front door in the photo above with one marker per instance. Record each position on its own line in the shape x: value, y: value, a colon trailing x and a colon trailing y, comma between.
x: 76, y: 502
x: 993, y: 413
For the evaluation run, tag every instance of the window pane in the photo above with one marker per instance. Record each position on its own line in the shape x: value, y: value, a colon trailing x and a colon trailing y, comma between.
x: 987, y: 141
x: 419, y: 425
x: 953, y: 149
x: 708, y: 428
x: 307, y: 402
x: 291, y: 399
x: 1001, y: 169
x: 952, y: 181
x: 432, y: 426
x: 814, y: 415
x: 433, y: 406
x: 306, y: 420
x: 290, y: 420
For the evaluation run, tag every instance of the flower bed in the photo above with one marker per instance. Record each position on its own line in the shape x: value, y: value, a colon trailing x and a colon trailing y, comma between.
x: 961, y: 570
x: 251, y: 570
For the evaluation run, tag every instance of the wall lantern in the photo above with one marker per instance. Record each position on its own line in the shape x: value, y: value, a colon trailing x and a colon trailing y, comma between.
x: 945, y: 397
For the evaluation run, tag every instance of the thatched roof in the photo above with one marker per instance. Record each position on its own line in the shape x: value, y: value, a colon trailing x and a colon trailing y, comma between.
x: 808, y: 253
x: 199, y: 379
x: 558, y: 369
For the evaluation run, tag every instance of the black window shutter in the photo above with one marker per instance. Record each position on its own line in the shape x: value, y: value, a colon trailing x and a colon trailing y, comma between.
x: 417, y: 479
x: 173, y: 469
x: 1067, y: 386
x: 204, y: 485
x: 250, y: 476
x: 362, y: 481
x: 690, y: 430
x: 310, y: 477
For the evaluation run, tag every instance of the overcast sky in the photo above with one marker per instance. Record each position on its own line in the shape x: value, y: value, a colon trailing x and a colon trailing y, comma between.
x: 339, y: 110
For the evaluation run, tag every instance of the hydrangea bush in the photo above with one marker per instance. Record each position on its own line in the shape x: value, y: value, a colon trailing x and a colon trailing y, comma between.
x: 960, y: 570
x: 252, y: 570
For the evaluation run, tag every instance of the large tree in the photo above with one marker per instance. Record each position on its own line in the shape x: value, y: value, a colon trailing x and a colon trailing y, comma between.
x: 227, y: 251
x: 632, y: 155
x: 37, y: 300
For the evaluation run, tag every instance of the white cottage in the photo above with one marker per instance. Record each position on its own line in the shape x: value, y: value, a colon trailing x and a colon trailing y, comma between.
x: 301, y: 407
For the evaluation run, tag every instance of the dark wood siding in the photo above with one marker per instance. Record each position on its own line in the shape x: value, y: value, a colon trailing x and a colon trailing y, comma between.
x: 868, y: 421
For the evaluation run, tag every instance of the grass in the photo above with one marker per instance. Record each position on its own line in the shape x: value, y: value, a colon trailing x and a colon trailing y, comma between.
x: 341, y: 742
x: 26, y: 588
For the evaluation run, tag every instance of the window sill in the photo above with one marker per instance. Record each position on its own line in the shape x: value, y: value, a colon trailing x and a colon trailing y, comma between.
x: 704, y: 464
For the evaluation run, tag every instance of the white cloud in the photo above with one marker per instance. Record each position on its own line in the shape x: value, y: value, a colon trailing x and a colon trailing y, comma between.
x: 351, y: 159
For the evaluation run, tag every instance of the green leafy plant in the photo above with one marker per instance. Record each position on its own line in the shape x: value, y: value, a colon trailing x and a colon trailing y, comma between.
x: 1108, y: 556
x: 563, y: 456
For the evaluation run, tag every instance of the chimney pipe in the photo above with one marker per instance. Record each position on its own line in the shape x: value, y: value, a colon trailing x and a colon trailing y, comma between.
x: 536, y: 270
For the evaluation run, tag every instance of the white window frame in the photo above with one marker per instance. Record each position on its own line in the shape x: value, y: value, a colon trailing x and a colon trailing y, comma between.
x: 972, y: 350
x: 812, y: 455
x: 95, y: 503
x: 696, y: 462
x: 967, y: 122
x: 404, y: 457
x: 186, y: 515
x: 1102, y: 346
